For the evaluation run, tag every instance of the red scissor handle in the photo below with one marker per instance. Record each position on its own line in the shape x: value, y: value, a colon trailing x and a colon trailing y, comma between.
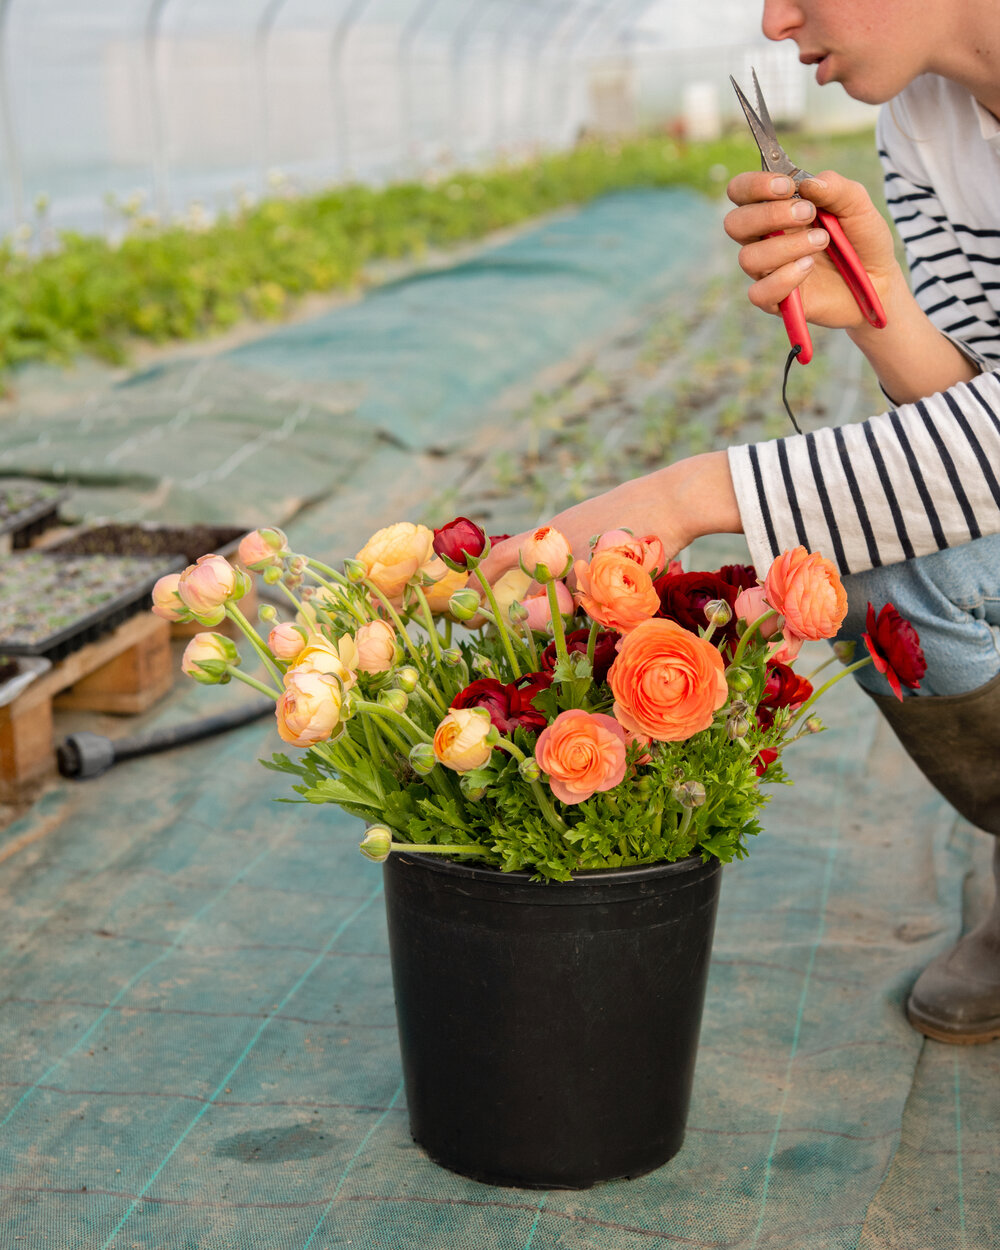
x: 855, y: 277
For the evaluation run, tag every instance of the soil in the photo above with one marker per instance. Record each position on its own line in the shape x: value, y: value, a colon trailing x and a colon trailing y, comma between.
x: 147, y: 540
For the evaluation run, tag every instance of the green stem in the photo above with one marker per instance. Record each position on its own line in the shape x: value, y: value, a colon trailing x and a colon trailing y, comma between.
x: 337, y: 576
x: 432, y: 699
x: 548, y: 811
x: 432, y: 848
x: 428, y: 615
x: 501, y: 627
x: 255, y: 640
x: 558, y: 633
x: 380, y: 709
x: 592, y: 643
x: 414, y: 651
x: 751, y: 630
x: 819, y: 667
x: 252, y: 681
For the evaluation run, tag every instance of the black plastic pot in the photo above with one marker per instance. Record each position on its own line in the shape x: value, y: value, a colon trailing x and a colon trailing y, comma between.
x: 549, y: 1032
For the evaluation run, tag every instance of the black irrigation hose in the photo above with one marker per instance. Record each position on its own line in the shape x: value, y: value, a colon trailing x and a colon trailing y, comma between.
x: 85, y: 754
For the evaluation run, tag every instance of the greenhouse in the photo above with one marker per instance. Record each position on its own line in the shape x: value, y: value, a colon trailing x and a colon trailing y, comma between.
x: 585, y: 839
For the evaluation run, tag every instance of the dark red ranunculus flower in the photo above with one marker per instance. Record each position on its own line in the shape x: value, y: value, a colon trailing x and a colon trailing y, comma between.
x: 742, y: 576
x: 783, y: 688
x: 683, y: 597
x: 763, y: 760
x: 508, y: 705
x: 458, y: 540
x: 895, y: 649
x: 498, y: 538
x: 605, y: 650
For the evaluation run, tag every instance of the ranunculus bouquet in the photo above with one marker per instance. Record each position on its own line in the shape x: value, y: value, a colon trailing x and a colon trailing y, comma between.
x: 630, y: 720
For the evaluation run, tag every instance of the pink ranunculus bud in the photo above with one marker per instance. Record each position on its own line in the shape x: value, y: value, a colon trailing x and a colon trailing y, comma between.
x: 546, y: 554
x: 539, y: 614
x: 167, y: 602
x: 286, y: 641
x: 262, y: 549
x: 786, y: 649
x: 750, y: 605
x: 376, y: 644
x: 208, y: 658
x: 207, y: 585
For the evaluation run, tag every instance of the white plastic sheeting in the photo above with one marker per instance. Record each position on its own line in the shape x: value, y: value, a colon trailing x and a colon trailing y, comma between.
x: 172, y: 103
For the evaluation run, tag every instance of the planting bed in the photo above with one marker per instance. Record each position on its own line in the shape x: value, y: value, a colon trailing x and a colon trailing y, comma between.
x: 150, y: 540
x: 53, y: 604
x: 27, y: 508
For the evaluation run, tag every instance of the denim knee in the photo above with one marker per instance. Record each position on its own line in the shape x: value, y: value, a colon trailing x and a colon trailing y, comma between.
x: 952, y: 598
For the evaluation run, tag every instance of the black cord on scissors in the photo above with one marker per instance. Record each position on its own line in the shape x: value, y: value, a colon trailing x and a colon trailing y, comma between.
x: 784, y: 385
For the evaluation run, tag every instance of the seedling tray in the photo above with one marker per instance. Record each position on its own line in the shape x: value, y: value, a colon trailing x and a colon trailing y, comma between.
x: 145, y: 539
x: 53, y: 604
x: 27, y: 508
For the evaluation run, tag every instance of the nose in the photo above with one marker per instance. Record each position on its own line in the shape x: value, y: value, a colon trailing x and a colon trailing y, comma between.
x: 781, y: 19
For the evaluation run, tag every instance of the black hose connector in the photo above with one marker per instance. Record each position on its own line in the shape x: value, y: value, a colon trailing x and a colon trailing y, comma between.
x: 83, y: 755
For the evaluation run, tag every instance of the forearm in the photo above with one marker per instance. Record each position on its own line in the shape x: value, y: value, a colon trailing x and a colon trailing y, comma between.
x: 911, y: 357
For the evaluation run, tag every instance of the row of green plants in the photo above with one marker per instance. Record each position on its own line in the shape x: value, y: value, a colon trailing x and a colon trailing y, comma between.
x: 182, y: 281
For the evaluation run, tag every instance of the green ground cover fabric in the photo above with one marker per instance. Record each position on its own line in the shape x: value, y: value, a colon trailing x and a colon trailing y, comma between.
x: 197, y: 1039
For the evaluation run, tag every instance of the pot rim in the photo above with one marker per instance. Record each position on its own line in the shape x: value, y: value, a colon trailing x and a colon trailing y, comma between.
x: 585, y: 879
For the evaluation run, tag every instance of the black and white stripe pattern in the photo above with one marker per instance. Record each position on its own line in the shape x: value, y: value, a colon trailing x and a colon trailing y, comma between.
x: 923, y: 476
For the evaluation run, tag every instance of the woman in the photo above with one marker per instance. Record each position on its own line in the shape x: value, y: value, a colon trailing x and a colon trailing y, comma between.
x: 907, y: 503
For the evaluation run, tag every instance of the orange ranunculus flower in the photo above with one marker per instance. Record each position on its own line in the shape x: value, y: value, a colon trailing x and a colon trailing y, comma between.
x: 309, y: 710
x: 206, y: 586
x: 806, y: 589
x: 446, y: 582
x: 376, y: 644
x: 548, y: 547
x: 581, y: 753
x: 460, y: 739
x: 614, y: 590
x: 668, y: 683
x: 647, y: 551
x: 392, y: 555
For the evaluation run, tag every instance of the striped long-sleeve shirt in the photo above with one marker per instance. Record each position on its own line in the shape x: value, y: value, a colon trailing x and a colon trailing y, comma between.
x: 922, y: 476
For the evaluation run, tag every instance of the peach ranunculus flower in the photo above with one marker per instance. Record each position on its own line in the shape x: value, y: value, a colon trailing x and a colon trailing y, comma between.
x: 581, y: 753
x: 546, y: 546
x: 208, y: 657
x: 446, y: 582
x: 806, y: 589
x: 320, y: 656
x: 539, y: 614
x: 262, y: 549
x: 648, y: 552
x: 668, y: 683
x: 750, y: 605
x: 460, y: 739
x: 286, y: 641
x: 392, y: 555
x: 614, y: 590
x: 376, y: 644
x: 167, y: 603
x: 309, y: 709
x: 206, y: 586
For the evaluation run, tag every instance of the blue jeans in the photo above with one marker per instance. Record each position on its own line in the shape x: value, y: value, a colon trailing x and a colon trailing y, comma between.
x: 952, y: 599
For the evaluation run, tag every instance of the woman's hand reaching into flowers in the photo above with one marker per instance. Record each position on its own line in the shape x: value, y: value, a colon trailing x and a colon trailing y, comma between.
x: 679, y: 503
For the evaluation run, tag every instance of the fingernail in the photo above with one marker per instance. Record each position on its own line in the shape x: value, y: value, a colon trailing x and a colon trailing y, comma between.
x: 805, y: 262
x: 817, y: 182
x: 802, y: 210
x: 817, y: 236
x: 781, y: 186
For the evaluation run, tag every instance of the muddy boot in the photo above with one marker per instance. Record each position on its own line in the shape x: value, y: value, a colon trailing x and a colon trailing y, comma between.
x: 955, y: 742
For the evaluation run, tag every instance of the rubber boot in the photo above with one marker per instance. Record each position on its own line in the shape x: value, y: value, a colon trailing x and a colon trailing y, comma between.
x: 955, y: 742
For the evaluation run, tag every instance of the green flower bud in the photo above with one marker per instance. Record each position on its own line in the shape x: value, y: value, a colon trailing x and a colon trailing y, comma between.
x: 406, y: 678
x: 394, y: 699
x: 739, y: 679
x: 718, y: 612
x: 376, y: 845
x: 267, y: 613
x: 529, y: 768
x: 451, y: 658
x: 272, y: 575
x: 517, y: 612
x: 814, y: 725
x: 464, y: 604
x: 470, y: 790
x: 422, y: 758
x: 689, y: 793
x: 737, y: 727
x: 483, y: 664
x: 844, y: 651
x: 356, y: 571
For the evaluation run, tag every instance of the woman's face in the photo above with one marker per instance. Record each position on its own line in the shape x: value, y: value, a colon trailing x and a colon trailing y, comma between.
x: 872, y: 47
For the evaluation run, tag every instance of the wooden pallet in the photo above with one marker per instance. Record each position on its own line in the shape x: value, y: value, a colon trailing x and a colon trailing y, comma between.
x: 124, y: 672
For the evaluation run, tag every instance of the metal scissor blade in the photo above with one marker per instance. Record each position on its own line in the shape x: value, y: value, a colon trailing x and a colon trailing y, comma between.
x: 772, y: 155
